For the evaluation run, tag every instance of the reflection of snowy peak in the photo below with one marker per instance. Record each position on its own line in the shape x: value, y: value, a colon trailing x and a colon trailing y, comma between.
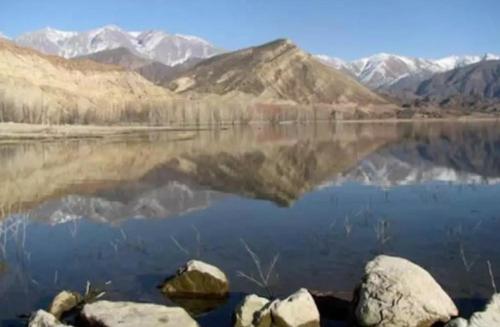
x: 468, y: 157
x: 387, y: 170
x: 169, y: 200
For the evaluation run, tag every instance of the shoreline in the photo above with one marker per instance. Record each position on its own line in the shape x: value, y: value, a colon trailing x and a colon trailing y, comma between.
x: 389, y: 289
x: 10, y: 132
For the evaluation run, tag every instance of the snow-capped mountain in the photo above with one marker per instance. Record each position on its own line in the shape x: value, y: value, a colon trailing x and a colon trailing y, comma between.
x: 452, y: 62
x: 384, y: 70
x: 3, y: 36
x: 155, y: 45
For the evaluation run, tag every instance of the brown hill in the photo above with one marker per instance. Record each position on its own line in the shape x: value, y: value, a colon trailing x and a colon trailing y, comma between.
x: 38, y: 88
x: 277, y: 70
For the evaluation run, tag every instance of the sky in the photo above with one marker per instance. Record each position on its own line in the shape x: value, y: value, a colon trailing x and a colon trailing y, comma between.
x: 348, y: 29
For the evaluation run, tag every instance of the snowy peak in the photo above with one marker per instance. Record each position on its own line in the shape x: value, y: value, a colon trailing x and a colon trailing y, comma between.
x: 3, y: 36
x: 334, y: 62
x: 490, y: 56
x: 155, y: 45
x: 452, y: 62
x: 383, y: 70
x: 55, y: 35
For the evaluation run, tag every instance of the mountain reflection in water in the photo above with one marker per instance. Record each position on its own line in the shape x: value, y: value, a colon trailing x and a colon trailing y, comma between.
x: 326, y: 197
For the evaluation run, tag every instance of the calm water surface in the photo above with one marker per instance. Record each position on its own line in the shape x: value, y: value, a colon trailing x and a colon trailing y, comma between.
x: 324, y: 198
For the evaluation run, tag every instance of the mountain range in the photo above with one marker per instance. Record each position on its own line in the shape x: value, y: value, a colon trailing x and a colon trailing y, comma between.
x: 153, y: 44
x: 392, y: 72
x: 259, y: 81
x: 380, y: 71
x: 267, y: 82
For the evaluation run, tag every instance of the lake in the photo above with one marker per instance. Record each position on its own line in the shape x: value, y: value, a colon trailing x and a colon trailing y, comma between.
x: 321, y: 199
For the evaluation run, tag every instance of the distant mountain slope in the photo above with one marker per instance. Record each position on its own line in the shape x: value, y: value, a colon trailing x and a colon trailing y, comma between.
x: 119, y: 56
x: 152, y: 70
x: 276, y: 70
x: 37, y: 88
x: 162, y: 74
x: 472, y: 83
x: 157, y: 72
x: 155, y: 45
x: 481, y: 79
x: 395, y: 73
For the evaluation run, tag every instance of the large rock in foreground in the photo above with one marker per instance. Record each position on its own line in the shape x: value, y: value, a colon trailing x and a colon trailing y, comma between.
x: 398, y: 293
x: 253, y: 312
x: 197, y: 279
x: 297, y: 310
x: 490, y: 316
x: 42, y: 318
x: 130, y: 314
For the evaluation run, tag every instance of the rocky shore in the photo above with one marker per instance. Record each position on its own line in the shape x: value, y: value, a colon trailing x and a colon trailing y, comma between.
x: 393, y: 292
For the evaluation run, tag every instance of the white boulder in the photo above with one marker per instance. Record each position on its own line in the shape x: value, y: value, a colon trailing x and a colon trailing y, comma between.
x: 197, y: 279
x: 64, y: 302
x: 299, y: 309
x: 130, y: 314
x: 396, y: 292
x: 253, y: 312
x: 490, y: 316
x: 42, y: 318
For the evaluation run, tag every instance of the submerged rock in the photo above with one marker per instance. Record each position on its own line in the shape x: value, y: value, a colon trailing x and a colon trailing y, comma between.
x: 396, y: 292
x: 490, y: 316
x: 197, y: 307
x: 254, y: 311
x: 297, y: 310
x: 197, y: 279
x: 457, y: 322
x: 333, y: 306
x: 63, y: 302
x: 42, y: 318
x: 130, y: 314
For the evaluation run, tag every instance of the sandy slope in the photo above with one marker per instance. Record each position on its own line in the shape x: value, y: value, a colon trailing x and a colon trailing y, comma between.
x: 42, y: 87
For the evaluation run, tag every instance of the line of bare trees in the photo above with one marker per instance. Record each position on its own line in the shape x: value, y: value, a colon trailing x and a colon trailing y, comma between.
x: 167, y: 112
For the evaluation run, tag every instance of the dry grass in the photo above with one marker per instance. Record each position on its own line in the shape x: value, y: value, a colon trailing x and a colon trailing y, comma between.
x: 264, y: 276
x: 492, y: 277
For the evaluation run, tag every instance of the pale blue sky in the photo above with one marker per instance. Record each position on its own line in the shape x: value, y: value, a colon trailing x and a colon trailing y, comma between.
x: 344, y: 28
